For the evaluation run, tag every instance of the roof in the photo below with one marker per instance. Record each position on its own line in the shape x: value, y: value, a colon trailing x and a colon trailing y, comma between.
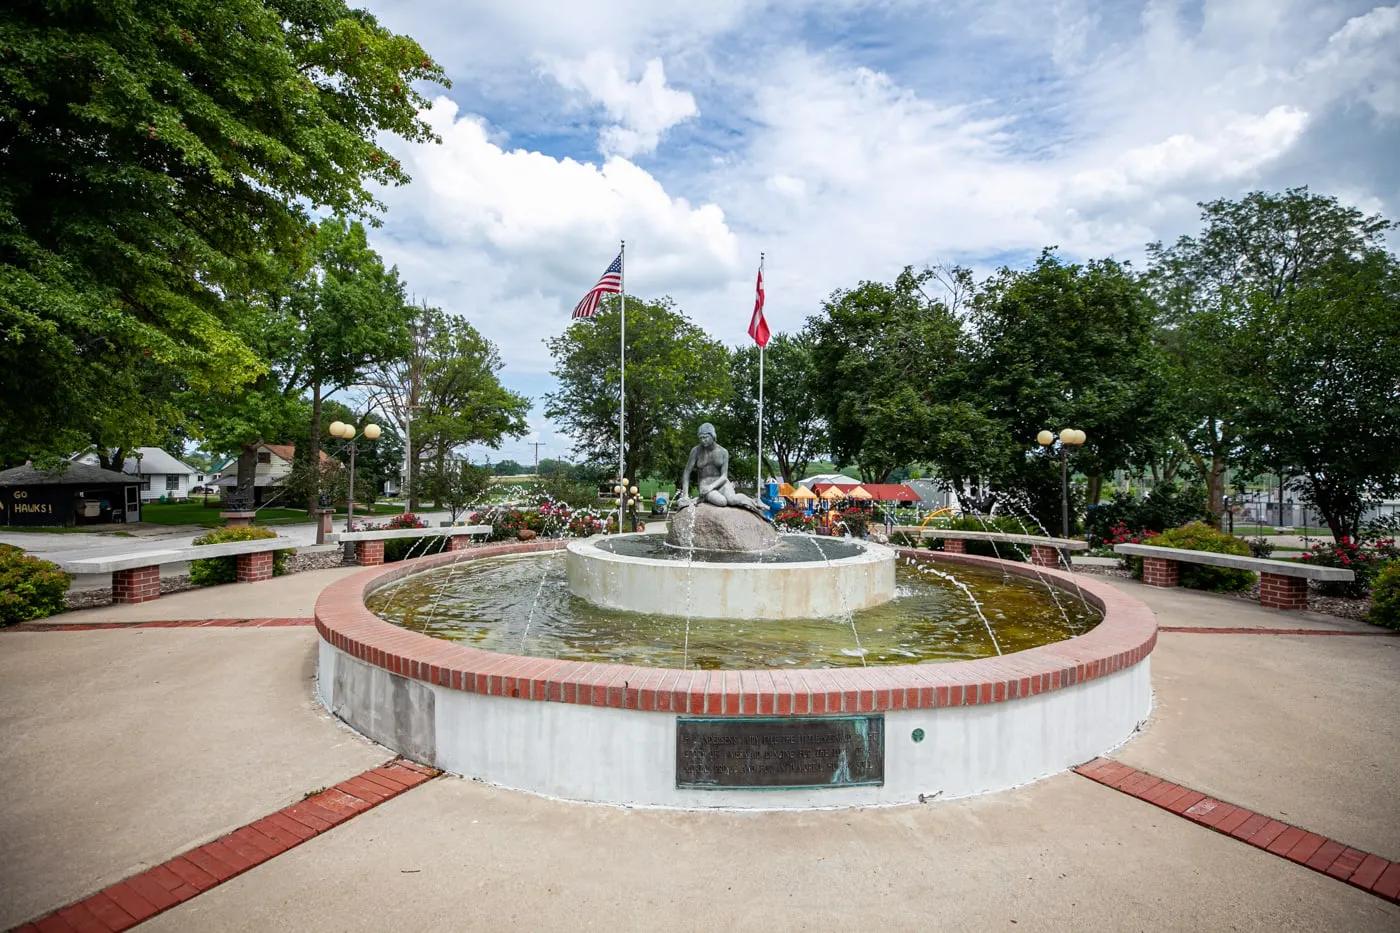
x: 77, y: 474
x: 882, y: 492
x: 154, y: 460
x: 838, y: 479
x: 289, y: 451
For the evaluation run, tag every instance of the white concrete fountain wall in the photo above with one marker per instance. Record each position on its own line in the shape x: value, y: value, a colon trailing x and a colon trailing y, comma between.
x: 814, y: 589
x: 607, y: 733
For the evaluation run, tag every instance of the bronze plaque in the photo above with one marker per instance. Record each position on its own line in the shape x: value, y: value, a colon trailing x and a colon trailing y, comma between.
x: 780, y: 751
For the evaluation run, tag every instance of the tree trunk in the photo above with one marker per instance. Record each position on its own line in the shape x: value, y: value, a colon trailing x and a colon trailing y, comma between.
x: 439, y: 464
x: 247, y: 473
x: 313, y: 452
x: 414, y: 450
x: 1215, y: 489
x: 1095, y: 491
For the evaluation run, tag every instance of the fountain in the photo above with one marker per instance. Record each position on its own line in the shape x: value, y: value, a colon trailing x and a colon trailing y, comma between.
x: 726, y: 664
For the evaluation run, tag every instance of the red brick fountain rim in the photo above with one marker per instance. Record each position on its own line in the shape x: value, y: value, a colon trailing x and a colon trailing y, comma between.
x: 1126, y: 636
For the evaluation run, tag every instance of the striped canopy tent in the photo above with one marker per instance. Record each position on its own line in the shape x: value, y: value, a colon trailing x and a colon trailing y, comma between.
x: 832, y: 493
x: 859, y: 493
x: 801, y: 493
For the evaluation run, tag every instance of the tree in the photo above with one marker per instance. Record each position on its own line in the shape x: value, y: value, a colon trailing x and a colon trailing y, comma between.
x: 457, y: 484
x: 1326, y: 393
x: 152, y: 158
x: 881, y: 354
x: 445, y: 391
x: 349, y: 316
x: 1212, y: 290
x: 793, y: 430
x: 676, y: 377
x: 509, y: 468
x: 1065, y: 345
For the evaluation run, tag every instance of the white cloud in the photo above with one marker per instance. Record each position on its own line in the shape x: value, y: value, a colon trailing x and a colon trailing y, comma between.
x: 1364, y: 58
x: 643, y: 109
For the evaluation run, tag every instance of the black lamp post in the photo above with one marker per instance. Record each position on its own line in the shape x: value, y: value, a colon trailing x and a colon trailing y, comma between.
x: 348, y: 432
x: 1069, y: 437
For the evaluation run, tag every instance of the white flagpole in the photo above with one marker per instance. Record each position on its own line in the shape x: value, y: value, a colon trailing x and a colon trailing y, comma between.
x: 622, y: 383
x: 759, y: 488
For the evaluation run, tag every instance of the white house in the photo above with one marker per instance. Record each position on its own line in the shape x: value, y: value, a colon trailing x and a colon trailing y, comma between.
x: 273, y: 465
x: 159, y: 472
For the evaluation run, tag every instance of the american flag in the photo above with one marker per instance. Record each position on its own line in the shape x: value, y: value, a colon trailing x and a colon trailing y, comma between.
x: 609, y: 284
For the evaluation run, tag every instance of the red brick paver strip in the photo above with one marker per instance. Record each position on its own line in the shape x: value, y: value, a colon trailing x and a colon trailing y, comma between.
x: 1371, y: 873
x: 181, y: 623
x: 142, y: 896
x: 1206, y: 630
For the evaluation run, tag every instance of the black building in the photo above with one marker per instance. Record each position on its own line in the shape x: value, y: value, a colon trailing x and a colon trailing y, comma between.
x: 75, y: 494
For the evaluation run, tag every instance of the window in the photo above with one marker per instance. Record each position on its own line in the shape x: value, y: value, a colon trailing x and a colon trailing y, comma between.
x: 172, y: 481
x: 264, y: 456
x: 145, y: 485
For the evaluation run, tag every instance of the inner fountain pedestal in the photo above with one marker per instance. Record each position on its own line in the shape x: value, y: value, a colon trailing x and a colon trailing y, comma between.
x: 734, y: 586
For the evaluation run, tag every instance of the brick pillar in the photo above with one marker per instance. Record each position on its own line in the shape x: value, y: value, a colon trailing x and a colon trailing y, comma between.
x: 1280, y: 592
x: 459, y: 542
x: 254, y: 568
x: 323, y: 524
x: 1157, y: 571
x: 369, y: 553
x: 237, y: 519
x: 1044, y: 556
x: 954, y: 546
x: 138, y: 585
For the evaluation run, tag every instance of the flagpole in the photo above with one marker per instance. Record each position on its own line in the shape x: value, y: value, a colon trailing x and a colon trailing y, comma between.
x: 759, y: 488
x: 622, y: 383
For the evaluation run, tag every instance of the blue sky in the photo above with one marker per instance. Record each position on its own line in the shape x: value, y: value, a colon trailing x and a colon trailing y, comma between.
x: 848, y: 139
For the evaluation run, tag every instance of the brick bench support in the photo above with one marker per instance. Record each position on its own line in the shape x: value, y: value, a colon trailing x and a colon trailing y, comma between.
x: 1043, y: 556
x: 954, y: 546
x: 1280, y: 592
x: 1159, y: 572
x: 137, y: 585
x: 254, y: 568
x: 369, y: 553
x: 459, y: 542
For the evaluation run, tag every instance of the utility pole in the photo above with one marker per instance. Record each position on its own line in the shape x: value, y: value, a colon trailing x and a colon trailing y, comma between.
x: 537, y: 445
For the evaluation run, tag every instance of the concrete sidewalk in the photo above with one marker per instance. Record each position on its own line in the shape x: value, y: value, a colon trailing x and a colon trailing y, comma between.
x: 121, y: 748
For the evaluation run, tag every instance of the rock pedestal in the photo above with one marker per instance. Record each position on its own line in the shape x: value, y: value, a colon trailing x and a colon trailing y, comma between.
x: 715, y: 528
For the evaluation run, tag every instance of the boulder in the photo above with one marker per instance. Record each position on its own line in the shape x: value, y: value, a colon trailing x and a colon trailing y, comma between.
x: 715, y: 528
x: 525, y: 534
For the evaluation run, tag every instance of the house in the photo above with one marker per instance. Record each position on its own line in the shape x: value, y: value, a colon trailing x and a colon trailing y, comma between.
x: 274, y: 464
x: 161, y: 475
x: 77, y: 494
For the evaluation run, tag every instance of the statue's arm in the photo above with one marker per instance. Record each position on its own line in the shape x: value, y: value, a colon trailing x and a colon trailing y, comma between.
x: 685, y: 476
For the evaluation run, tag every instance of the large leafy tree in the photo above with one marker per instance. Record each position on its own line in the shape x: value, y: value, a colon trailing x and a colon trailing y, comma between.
x: 1218, y: 294
x: 1067, y: 345
x: 793, y: 430
x: 152, y: 157
x: 881, y: 354
x: 445, y: 392
x: 676, y: 377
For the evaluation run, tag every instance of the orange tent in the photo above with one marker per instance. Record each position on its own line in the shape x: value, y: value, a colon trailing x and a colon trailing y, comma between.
x: 859, y: 493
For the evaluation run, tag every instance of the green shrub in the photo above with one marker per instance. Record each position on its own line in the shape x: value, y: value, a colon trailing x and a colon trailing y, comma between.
x: 856, y: 521
x: 1167, y: 507
x: 1198, y: 536
x: 1349, y: 555
x: 30, y: 588
x: 209, y: 571
x: 1002, y: 549
x: 1385, y: 596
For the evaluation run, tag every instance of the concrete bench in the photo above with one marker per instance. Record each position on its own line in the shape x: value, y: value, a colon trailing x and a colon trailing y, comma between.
x: 369, y: 545
x: 136, y: 577
x: 1045, y: 552
x: 1282, y: 584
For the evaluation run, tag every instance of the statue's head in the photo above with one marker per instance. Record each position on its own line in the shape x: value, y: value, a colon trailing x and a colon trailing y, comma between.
x: 707, y: 435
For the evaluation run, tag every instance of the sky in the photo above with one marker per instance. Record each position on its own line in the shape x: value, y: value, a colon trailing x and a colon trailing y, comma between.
x: 848, y: 139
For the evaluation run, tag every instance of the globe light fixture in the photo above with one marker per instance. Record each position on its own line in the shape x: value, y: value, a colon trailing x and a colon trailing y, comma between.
x: 372, y: 432
x: 336, y: 428
x: 1069, y: 437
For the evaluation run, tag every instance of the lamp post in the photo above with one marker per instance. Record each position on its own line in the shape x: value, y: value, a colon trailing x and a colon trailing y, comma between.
x: 626, y: 500
x: 1069, y: 437
x: 348, y: 432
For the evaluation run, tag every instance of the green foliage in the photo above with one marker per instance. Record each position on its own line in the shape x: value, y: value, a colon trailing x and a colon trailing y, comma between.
x: 792, y: 424
x: 456, y: 485
x: 1385, y: 596
x: 791, y: 519
x: 1167, y: 507
x: 1198, y: 536
x: 153, y: 157
x: 991, y: 523
x: 857, y: 522
x: 1347, y: 554
x: 30, y: 588
x: 1278, y: 323
x: 677, y: 377
x: 209, y: 571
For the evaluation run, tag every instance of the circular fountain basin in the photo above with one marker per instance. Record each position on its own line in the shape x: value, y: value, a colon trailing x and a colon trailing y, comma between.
x: 804, y: 577
x: 612, y: 733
